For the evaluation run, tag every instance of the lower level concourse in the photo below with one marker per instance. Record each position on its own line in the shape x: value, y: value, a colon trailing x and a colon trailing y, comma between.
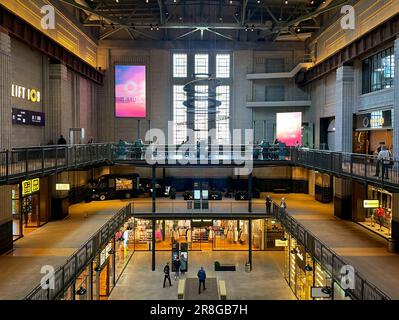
x: 122, y: 267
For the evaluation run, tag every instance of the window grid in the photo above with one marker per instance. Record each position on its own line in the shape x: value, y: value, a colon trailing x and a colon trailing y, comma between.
x: 180, y: 65
x: 201, y: 64
x: 179, y: 114
x: 223, y: 65
x: 378, y: 71
x: 201, y: 118
x: 223, y: 116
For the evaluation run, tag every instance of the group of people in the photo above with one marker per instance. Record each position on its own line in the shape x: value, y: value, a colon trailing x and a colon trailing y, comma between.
x: 180, y: 266
x: 269, y: 202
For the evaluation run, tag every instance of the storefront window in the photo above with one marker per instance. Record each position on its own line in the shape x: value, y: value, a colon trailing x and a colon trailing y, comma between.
x: 83, y: 285
x: 16, y: 214
x: 379, y: 217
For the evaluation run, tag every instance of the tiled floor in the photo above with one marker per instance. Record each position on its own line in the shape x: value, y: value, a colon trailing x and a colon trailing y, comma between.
x: 265, y: 282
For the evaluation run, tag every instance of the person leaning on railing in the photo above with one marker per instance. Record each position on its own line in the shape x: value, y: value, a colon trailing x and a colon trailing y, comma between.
x: 385, y: 157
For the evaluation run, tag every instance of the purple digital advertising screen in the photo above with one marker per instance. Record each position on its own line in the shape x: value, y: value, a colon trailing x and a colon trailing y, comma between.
x: 130, y: 91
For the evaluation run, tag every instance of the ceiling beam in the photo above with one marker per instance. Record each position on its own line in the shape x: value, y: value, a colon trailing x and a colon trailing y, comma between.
x: 161, y: 13
x: 244, y: 12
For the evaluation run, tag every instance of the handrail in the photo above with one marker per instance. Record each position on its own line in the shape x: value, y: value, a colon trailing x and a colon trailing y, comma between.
x: 330, y: 261
x: 76, y: 263
x: 21, y: 163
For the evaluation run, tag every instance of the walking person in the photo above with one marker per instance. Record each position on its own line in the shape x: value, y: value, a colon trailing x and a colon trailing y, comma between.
x: 268, y: 204
x: 166, y: 272
x: 385, y: 158
x: 201, y: 279
x: 177, y: 264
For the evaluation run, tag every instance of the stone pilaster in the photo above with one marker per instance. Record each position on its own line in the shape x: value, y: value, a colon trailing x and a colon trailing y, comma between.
x: 5, y: 91
x: 345, y: 99
x: 56, y: 103
x: 396, y: 103
x: 5, y: 137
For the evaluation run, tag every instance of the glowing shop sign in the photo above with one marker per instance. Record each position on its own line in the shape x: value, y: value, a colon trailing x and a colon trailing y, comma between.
x: 62, y: 186
x: 281, y: 243
x: 23, y: 93
x: 30, y: 186
x: 371, y: 203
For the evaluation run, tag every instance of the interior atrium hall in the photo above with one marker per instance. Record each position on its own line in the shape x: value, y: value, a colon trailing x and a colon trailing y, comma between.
x: 195, y: 150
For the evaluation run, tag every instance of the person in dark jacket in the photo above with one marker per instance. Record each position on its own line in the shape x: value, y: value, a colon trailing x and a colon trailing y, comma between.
x: 166, y: 272
x: 201, y: 278
x: 177, y: 264
x: 61, y: 140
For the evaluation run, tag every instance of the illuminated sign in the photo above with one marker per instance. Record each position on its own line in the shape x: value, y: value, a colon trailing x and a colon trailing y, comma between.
x: 62, y: 187
x: 23, y: 93
x: 374, y: 120
x: 281, y: 243
x: 371, y: 203
x: 26, y: 187
x: 289, y: 128
x: 27, y: 117
x: 35, y: 185
x: 130, y: 91
x: 30, y: 186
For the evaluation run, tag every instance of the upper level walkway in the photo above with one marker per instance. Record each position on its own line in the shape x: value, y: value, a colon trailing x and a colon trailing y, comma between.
x: 23, y: 163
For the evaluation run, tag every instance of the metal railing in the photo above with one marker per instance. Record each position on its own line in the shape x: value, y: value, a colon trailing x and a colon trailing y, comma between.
x: 187, y: 207
x: 359, y: 166
x: 193, y: 154
x: 66, y: 274
x: 31, y: 161
x: 21, y: 163
x: 328, y: 259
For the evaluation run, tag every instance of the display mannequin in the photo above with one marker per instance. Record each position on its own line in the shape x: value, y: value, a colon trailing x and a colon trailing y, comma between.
x: 188, y: 235
x: 235, y: 235
x: 380, y: 213
x: 210, y: 236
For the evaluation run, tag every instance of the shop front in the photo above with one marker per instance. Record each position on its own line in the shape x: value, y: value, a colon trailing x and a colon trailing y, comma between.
x: 376, y: 211
x: 306, y: 276
x: 371, y: 129
x: 28, y: 207
x: 205, y: 234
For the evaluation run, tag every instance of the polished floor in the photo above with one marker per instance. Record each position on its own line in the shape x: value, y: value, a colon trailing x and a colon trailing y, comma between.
x: 265, y: 282
x: 51, y: 245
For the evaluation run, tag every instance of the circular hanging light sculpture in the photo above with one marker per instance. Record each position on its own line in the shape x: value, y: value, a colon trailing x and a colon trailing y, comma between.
x: 195, y: 96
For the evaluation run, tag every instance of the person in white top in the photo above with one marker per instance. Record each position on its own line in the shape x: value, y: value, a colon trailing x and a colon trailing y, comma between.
x: 385, y: 157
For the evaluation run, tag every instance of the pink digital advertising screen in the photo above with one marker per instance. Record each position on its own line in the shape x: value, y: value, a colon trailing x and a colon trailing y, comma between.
x: 289, y: 128
x: 130, y: 91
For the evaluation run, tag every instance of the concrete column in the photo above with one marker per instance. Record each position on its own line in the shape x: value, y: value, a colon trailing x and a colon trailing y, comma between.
x: 345, y: 94
x: 342, y: 198
x: 57, y: 103
x: 396, y: 103
x: 5, y: 138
